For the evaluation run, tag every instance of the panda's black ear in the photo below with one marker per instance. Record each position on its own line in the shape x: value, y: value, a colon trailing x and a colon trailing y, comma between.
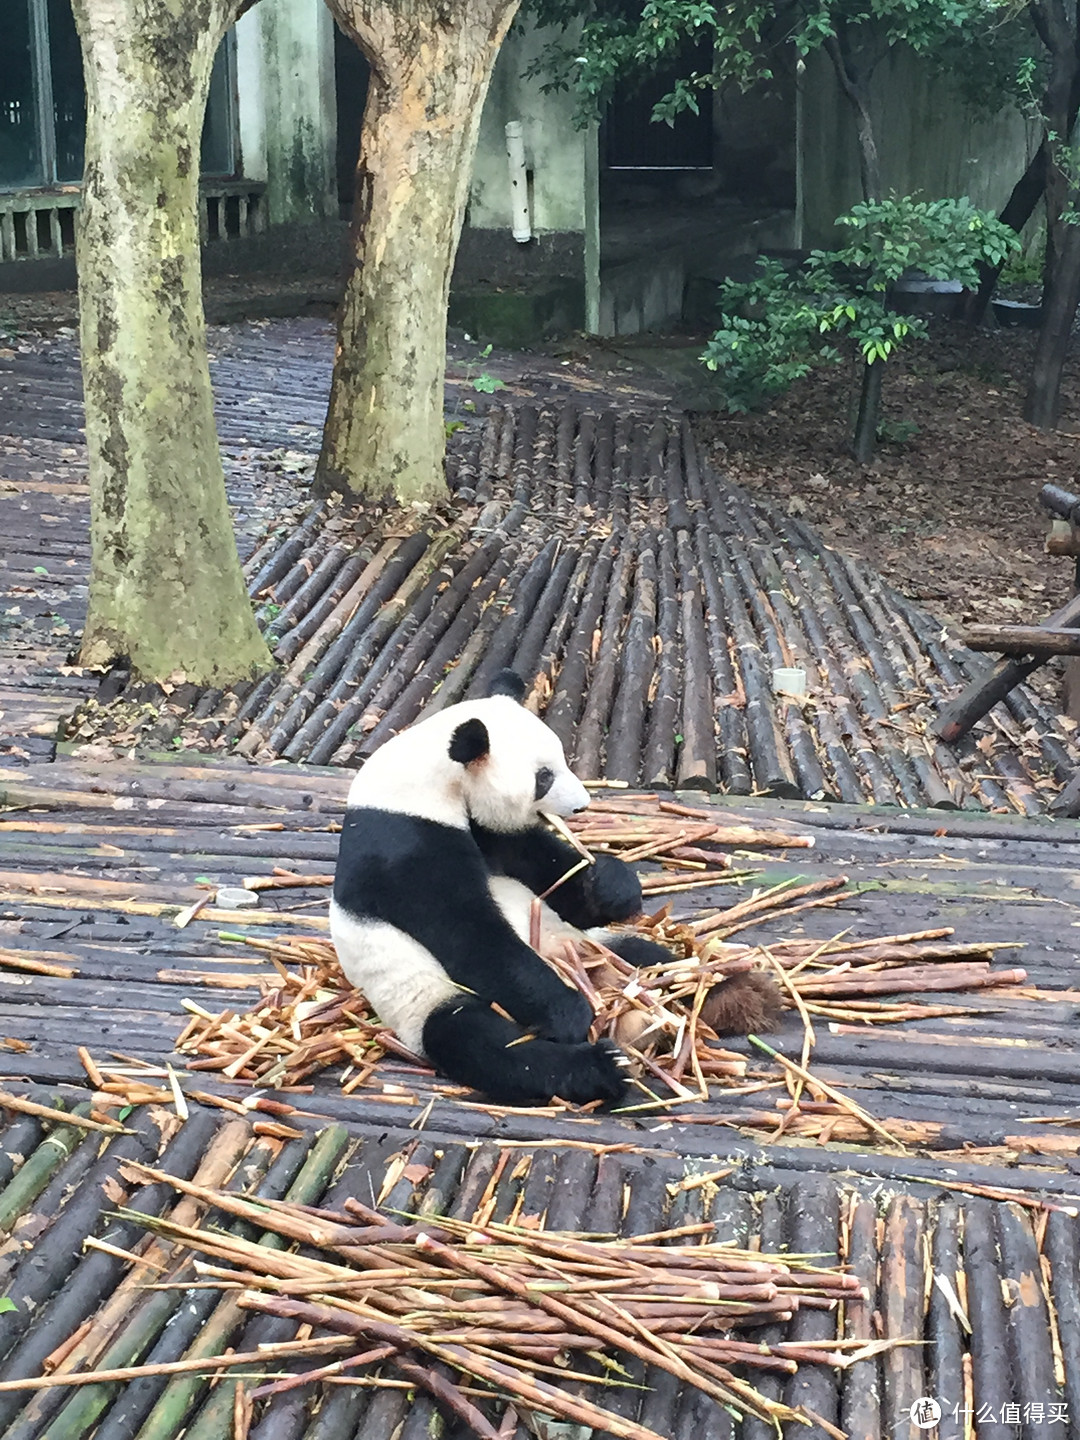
x: 508, y: 682
x: 469, y: 742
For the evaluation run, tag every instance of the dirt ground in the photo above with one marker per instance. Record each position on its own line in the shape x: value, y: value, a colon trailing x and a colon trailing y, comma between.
x: 948, y: 512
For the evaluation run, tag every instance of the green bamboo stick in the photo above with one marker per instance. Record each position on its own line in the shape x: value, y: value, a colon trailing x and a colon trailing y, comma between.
x: 23, y: 1188
x: 169, y: 1415
x: 86, y: 1407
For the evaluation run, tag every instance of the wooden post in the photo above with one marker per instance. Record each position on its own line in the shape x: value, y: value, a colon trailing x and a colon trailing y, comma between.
x: 1070, y: 703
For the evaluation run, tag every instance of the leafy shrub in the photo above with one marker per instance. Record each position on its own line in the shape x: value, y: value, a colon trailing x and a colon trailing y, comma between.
x: 779, y: 325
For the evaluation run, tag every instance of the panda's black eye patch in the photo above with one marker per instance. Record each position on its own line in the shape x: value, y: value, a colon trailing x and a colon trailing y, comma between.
x: 545, y: 778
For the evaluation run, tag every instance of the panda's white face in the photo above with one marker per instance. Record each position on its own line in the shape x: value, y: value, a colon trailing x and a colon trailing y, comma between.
x: 518, y: 771
x: 490, y: 761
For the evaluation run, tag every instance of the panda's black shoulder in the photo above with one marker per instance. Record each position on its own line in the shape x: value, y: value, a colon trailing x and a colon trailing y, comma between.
x: 387, y: 861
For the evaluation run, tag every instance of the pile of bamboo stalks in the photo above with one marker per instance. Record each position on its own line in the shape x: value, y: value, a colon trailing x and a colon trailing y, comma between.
x: 474, y: 1312
x: 666, y: 1016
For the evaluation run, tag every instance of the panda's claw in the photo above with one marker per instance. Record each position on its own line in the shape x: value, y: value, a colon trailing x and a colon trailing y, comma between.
x: 594, y: 1072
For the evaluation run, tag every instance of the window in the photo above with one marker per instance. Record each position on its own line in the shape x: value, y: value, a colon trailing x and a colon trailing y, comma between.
x: 43, y: 104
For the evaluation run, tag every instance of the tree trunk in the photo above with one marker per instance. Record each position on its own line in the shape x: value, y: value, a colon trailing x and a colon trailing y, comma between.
x: 431, y: 65
x: 1019, y: 208
x: 166, y: 588
x: 854, y: 81
x: 866, y: 426
x: 1043, y: 403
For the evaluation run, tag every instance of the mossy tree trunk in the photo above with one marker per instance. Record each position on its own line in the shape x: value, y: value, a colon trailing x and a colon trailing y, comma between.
x: 431, y: 64
x: 166, y: 588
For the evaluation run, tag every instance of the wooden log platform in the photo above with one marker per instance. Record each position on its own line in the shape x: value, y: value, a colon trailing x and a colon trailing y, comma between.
x: 948, y: 1234
x: 576, y: 522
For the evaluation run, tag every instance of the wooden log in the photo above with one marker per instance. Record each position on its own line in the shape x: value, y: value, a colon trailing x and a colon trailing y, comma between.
x: 637, y: 652
x: 564, y: 712
x: 452, y: 683
x: 813, y: 1222
x: 589, y: 738
x: 772, y: 1227
x: 1028, y: 1315
x: 27, y: 1184
x: 296, y: 626
x: 1067, y: 804
x: 831, y: 743
x: 903, y: 1289
x: 888, y: 665
x: 1060, y: 501
x: 773, y: 769
x: 56, y: 1255
x: 513, y: 616
x: 563, y: 461
x: 995, y: 1381
x: 1022, y: 639
x: 446, y: 609
x: 887, y: 608
x: 623, y: 464
x: 307, y: 687
x: 729, y: 698
x: 283, y: 556
x: 1063, y: 1254
x: 945, y: 1355
x: 418, y: 684
x: 984, y: 693
x: 800, y: 741
x: 545, y: 666
x: 98, y: 1272
x: 860, y: 681
x: 584, y: 444
x: 322, y: 572
x: 860, y: 1397
x: 341, y: 620
x: 696, y: 767
x: 556, y: 600
x: 662, y: 742
x: 526, y: 475
x: 17, y: 1142
x: 378, y: 650
x: 227, y: 1316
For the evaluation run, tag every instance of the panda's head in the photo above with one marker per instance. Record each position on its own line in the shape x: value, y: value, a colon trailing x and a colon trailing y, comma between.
x: 487, y: 761
x: 513, y: 766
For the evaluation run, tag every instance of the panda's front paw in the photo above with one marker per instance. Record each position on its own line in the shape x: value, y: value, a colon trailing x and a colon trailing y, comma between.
x: 613, y: 888
x: 564, y: 1015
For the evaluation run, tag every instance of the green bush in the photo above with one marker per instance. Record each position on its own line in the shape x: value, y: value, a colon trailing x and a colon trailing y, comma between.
x: 784, y: 322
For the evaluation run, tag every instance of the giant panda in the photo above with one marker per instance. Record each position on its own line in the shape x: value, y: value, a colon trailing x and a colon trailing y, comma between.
x: 435, y: 819
x: 443, y: 852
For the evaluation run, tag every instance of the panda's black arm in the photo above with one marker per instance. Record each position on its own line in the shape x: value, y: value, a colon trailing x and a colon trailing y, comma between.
x: 600, y: 894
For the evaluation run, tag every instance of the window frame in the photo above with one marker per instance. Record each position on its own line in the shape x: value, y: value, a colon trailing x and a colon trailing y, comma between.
x: 41, y: 82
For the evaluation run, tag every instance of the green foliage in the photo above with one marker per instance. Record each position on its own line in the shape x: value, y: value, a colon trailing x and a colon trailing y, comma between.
x: 599, y: 45
x: 1023, y: 269
x: 782, y: 323
x: 487, y: 384
x: 7, y: 1304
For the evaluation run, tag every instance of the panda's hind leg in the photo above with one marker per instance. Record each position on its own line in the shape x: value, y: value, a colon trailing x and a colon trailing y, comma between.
x: 470, y: 1043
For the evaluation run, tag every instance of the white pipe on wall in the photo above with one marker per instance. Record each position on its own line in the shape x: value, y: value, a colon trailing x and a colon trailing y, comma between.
x: 519, y: 181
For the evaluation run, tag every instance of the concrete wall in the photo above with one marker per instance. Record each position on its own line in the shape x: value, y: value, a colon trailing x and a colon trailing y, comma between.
x: 928, y: 140
x: 555, y: 152
x: 285, y: 79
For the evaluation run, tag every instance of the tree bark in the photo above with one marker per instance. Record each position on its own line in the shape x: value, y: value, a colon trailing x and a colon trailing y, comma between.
x: 854, y: 81
x: 166, y: 588
x: 866, y: 425
x: 1019, y: 208
x: 1042, y: 406
x: 431, y: 65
